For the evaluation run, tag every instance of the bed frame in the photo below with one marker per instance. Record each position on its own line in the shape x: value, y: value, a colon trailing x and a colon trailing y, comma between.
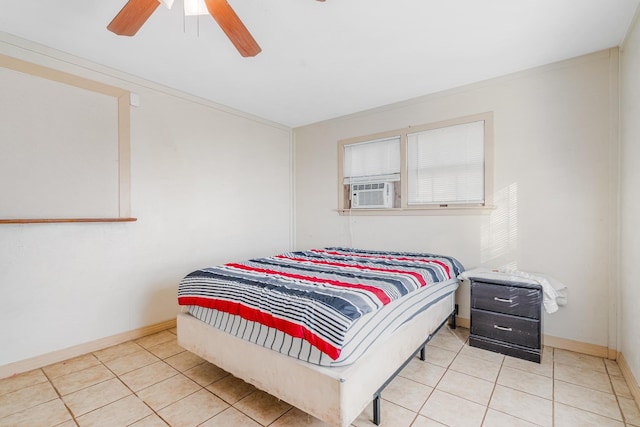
x: 334, y: 395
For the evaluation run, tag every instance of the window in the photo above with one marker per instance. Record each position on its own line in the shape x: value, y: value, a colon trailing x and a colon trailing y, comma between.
x: 377, y: 160
x: 439, y: 166
x: 446, y: 165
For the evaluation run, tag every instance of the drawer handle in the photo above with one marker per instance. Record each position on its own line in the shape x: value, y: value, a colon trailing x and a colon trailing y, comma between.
x: 502, y: 300
x: 502, y: 328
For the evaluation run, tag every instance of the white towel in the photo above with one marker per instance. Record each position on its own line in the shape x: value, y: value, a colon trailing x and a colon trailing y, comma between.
x: 554, y: 293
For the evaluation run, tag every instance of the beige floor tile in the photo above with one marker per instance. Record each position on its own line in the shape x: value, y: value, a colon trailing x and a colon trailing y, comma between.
x: 391, y: 415
x: 423, y: 372
x: 46, y: 414
x: 422, y: 421
x: 16, y: 382
x: 568, y: 416
x: 193, y: 410
x: 168, y: 391
x: 452, y: 410
x: 96, y: 396
x: 620, y: 387
x: 579, y: 360
x: 148, y: 376
x: 25, y: 398
x: 522, y: 405
x: 155, y: 339
x: 262, y: 407
x: 583, y: 391
x: 478, y: 368
x: 72, y: 365
x: 119, y: 413
x: 588, y: 399
x: 206, y: 373
x: 524, y: 381
x: 630, y: 411
x: 462, y: 333
x: 297, y: 418
x: 184, y: 361
x: 613, y: 368
x: 406, y: 393
x: 231, y: 389
x: 78, y: 380
x: 447, y: 340
x: 500, y: 419
x: 151, y: 421
x: 130, y: 362
x: 116, y: 351
x: 478, y: 353
x: 544, y: 368
x: 467, y: 387
x: 439, y: 356
x: 167, y: 349
x: 584, y: 377
x: 230, y: 417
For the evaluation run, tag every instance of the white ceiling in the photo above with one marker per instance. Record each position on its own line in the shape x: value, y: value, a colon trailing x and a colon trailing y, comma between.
x: 321, y: 60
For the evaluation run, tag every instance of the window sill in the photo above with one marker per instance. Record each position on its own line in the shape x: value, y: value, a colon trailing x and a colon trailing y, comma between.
x: 449, y: 210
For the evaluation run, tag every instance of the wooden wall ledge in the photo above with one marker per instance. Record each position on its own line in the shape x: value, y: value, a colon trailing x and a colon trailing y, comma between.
x: 59, y: 220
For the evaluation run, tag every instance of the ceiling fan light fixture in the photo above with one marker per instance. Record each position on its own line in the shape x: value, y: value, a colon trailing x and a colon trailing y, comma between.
x: 195, y: 7
x: 136, y: 12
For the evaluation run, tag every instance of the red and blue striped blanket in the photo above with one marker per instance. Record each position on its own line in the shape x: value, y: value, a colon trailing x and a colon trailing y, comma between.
x: 315, y: 295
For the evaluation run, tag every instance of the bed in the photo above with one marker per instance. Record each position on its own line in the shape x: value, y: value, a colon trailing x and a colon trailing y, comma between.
x: 325, y: 329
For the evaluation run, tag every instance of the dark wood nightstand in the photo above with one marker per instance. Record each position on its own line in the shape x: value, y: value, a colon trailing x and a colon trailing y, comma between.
x: 506, y: 317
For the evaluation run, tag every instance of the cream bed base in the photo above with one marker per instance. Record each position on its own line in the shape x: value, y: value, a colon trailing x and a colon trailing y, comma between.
x: 334, y: 395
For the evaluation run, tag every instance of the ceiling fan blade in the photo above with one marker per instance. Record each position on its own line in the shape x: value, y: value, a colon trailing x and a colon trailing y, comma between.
x: 233, y: 27
x: 132, y: 16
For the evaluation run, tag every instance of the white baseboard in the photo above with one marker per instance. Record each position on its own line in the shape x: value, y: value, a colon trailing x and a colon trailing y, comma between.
x: 78, y: 350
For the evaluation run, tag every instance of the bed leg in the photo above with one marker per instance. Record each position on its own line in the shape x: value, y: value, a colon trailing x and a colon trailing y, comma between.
x: 376, y: 409
x: 453, y: 317
x: 423, y: 355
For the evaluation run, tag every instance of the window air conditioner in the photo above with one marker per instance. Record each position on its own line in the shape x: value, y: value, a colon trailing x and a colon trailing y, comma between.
x: 372, y: 195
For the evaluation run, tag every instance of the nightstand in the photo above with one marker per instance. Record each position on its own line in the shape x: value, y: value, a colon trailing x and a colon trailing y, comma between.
x: 506, y: 317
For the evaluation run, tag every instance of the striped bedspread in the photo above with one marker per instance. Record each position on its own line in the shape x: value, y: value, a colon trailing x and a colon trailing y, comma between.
x: 315, y: 295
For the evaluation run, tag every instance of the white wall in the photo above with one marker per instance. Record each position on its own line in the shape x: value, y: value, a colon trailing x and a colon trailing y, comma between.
x: 630, y: 222
x: 209, y: 185
x: 555, y: 186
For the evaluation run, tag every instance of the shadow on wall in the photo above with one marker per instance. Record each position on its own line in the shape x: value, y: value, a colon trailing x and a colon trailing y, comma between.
x: 161, y: 303
x: 499, y: 243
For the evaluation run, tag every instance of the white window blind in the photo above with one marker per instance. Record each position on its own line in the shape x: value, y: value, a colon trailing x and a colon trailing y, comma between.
x: 446, y: 165
x: 377, y: 160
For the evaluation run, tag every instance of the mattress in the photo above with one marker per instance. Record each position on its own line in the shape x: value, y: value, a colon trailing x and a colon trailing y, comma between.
x: 323, y: 306
x: 363, y: 333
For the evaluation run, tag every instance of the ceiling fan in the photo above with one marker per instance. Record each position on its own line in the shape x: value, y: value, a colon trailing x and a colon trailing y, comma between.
x: 136, y: 12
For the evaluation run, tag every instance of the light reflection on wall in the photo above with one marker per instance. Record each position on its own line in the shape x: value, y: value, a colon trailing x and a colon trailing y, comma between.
x: 499, y: 236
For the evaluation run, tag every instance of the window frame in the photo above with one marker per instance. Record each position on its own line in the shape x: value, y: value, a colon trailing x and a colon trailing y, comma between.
x: 423, y: 209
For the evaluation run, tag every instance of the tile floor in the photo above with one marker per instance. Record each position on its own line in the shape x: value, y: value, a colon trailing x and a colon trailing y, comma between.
x: 154, y: 382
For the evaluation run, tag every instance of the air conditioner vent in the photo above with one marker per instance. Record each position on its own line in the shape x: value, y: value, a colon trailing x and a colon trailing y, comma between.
x: 372, y: 195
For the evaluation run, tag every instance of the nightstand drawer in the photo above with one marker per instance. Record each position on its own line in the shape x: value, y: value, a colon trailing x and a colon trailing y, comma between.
x: 511, y: 329
x: 524, y: 302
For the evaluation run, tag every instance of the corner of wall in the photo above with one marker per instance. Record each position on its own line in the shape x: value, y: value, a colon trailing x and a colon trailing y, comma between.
x: 631, y: 380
